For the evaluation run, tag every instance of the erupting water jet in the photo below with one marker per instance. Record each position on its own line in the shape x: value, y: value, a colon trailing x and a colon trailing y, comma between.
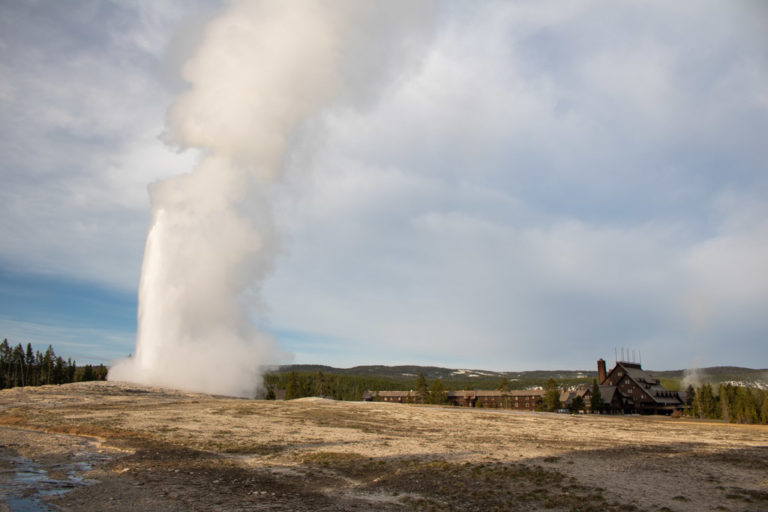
x: 262, y: 69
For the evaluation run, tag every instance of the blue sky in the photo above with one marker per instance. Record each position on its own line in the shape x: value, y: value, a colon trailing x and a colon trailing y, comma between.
x: 534, y: 185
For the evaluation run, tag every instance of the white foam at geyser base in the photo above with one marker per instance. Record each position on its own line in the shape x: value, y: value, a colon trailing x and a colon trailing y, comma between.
x: 263, y: 68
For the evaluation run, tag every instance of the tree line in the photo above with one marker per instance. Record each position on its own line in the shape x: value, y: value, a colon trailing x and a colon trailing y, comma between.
x: 335, y: 386
x: 346, y: 387
x: 408, y: 382
x: 736, y: 404
x: 21, y: 366
x: 434, y: 393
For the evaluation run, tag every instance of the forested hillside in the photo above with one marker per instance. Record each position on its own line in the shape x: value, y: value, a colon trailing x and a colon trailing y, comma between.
x: 404, y: 377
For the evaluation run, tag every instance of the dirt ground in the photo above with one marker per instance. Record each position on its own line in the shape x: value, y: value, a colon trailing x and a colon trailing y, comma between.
x: 112, y: 446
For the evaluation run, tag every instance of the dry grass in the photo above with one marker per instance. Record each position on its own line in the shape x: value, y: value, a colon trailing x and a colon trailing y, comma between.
x: 427, y: 458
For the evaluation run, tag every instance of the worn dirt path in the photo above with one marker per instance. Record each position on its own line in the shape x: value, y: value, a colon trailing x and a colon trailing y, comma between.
x: 140, y: 448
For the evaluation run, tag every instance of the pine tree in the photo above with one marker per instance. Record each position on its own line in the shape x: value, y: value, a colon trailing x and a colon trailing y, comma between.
x: 58, y: 371
x: 735, y: 404
x: 320, y: 384
x: 87, y: 373
x: 18, y: 365
x: 4, y: 357
x: 690, y: 395
x: 551, y: 396
x: 707, y: 404
x: 421, y: 389
x: 29, y: 365
x: 577, y: 404
x: 596, y: 398
x: 71, y: 370
x: 755, y: 405
x: 437, y: 392
x: 292, y: 388
x: 749, y: 412
x: 48, y: 361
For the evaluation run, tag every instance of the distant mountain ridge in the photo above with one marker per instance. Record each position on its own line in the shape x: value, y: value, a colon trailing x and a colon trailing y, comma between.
x: 484, y: 378
x: 434, y: 372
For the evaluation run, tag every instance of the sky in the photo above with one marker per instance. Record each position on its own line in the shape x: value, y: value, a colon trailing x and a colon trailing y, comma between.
x: 532, y: 186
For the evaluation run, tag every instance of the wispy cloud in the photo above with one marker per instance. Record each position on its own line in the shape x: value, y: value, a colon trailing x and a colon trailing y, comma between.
x: 84, y: 345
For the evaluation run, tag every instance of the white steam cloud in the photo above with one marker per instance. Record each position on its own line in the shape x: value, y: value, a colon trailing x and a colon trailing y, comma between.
x: 691, y: 377
x: 262, y: 70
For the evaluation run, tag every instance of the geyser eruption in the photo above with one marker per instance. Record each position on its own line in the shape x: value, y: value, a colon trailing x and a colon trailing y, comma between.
x: 263, y: 68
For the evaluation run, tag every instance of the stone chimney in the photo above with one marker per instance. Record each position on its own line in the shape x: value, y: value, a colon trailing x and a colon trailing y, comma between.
x: 601, y: 371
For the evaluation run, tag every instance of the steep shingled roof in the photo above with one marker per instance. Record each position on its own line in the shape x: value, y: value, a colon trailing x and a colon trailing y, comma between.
x: 607, y: 393
x: 648, y: 383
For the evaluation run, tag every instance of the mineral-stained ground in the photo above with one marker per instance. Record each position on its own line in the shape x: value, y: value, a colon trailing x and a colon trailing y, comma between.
x: 114, y: 446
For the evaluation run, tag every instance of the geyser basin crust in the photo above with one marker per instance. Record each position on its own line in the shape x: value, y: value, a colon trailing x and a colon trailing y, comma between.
x: 187, y: 451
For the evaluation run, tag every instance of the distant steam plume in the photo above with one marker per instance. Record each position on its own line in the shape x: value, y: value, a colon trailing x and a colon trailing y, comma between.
x: 691, y: 377
x: 263, y: 69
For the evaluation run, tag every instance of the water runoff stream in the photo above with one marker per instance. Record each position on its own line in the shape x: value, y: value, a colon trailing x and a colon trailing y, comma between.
x: 24, y: 482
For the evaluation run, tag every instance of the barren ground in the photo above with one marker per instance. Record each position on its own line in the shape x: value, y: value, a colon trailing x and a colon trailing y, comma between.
x: 111, y: 446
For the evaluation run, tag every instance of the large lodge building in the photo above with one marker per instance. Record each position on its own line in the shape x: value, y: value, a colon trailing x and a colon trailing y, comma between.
x: 638, y: 391
x: 626, y: 389
x: 526, y: 399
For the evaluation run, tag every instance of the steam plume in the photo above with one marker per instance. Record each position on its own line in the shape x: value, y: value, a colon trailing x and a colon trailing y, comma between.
x: 692, y: 376
x: 263, y: 68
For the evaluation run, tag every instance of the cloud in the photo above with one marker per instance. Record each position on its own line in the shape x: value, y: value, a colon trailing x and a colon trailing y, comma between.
x: 84, y: 345
x: 534, y: 191
x: 541, y: 184
x: 81, y: 109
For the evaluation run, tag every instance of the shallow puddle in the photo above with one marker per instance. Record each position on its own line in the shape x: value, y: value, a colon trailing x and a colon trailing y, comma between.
x: 23, y: 482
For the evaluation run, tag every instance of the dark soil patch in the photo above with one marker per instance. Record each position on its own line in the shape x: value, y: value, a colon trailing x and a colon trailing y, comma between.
x: 419, y: 484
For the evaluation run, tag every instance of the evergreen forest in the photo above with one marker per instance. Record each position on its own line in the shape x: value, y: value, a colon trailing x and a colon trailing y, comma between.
x: 337, y: 387
x: 736, y: 404
x: 21, y: 366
